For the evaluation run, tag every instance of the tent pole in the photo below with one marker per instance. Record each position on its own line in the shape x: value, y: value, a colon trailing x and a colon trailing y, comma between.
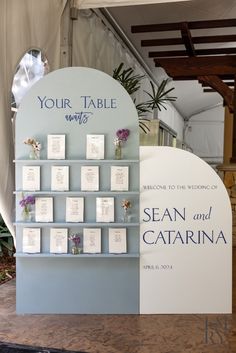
x: 70, y: 13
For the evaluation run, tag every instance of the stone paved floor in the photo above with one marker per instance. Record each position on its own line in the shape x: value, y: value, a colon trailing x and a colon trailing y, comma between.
x: 118, y: 334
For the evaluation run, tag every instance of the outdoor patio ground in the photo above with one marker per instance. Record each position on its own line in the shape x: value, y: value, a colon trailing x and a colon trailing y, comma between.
x: 119, y: 333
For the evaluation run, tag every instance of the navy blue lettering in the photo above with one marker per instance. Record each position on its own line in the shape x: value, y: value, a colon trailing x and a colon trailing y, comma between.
x: 146, y: 234
x: 146, y: 212
x: 50, y: 103
x: 221, y: 236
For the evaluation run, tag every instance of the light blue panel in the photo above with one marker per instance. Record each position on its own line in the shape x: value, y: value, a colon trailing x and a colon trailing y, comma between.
x: 72, y: 84
x: 77, y: 286
x: 86, y: 284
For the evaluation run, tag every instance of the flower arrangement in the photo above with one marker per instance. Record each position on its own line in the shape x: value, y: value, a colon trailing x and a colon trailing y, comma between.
x: 122, y: 134
x: 26, y: 203
x: 36, y: 147
x: 126, y: 204
x: 121, y: 137
x: 76, y: 239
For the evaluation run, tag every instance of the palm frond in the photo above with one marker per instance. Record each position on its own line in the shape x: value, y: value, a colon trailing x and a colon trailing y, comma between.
x: 158, y: 97
x: 130, y: 81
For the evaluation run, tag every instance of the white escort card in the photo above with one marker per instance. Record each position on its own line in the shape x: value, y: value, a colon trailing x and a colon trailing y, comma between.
x: 105, y: 209
x: 117, y: 240
x: 95, y: 147
x: 43, y: 209
x: 74, y: 209
x: 31, y: 178
x: 90, y: 178
x: 119, y: 178
x: 60, y: 178
x: 56, y: 146
x: 59, y: 240
x: 31, y: 240
x: 92, y: 240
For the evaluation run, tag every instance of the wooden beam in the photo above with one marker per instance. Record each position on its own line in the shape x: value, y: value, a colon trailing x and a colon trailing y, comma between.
x: 196, y: 40
x: 197, y: 66
x: 215, y: 39
x: 167, y: 53
x: 161, y: 27
x: 209, y: 90
x: 233, y: 159
x: 161, y: 42
x: 215, y: 51
x: 187, y: 39
x: 194, y: 78
x: 217, y: 84
x: 212, y: 24
x: 230, y: 83
x: 173, y: 26
x: 171, y: 53
x: 228, y: 136
x: 184, y: 78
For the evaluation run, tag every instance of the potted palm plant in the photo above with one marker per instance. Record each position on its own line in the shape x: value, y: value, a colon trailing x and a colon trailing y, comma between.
x: 157, y: 98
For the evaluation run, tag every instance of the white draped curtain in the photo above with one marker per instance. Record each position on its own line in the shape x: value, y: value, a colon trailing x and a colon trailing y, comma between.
x: 95, y: 45
x: 24, y: 25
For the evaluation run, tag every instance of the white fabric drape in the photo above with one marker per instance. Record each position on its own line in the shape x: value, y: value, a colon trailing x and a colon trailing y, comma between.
x: 94, y: 45
x: 89, y: 4
x: 24, y: 24
x: 205, y: 134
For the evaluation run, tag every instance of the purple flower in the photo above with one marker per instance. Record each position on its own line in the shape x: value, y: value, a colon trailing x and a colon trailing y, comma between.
x: 123, y: 134
x: 75, y: 238
x: 28, y: 200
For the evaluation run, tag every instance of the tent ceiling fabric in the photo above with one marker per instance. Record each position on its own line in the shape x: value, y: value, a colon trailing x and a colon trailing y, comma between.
x: 92, y: 4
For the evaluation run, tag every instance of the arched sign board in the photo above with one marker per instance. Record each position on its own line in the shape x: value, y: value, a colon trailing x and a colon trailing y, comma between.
x: 186, y: 235
x: 76, y: 102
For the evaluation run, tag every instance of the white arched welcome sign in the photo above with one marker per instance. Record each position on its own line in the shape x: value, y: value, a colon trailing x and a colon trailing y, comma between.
x: 186, y: 235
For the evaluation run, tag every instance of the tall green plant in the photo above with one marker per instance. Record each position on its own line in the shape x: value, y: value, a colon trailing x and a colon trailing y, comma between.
x: 157, y: 98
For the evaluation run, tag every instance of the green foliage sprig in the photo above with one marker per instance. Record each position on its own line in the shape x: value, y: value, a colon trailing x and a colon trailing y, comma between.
x: 157, y: 98
x: 6, y: 240
x: 127, y: 79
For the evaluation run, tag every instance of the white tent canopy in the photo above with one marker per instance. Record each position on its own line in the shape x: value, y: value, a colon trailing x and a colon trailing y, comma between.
x: 89, y: 4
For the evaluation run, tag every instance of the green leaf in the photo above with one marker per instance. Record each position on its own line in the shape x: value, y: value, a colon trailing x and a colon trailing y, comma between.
x: 127, y: 78
x: 6, y: 245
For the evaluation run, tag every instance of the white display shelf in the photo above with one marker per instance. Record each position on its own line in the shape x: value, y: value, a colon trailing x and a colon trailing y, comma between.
x: 76, y: 224
x: 70, y: 161
x: 49, y: 255
x: 79, y: 193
